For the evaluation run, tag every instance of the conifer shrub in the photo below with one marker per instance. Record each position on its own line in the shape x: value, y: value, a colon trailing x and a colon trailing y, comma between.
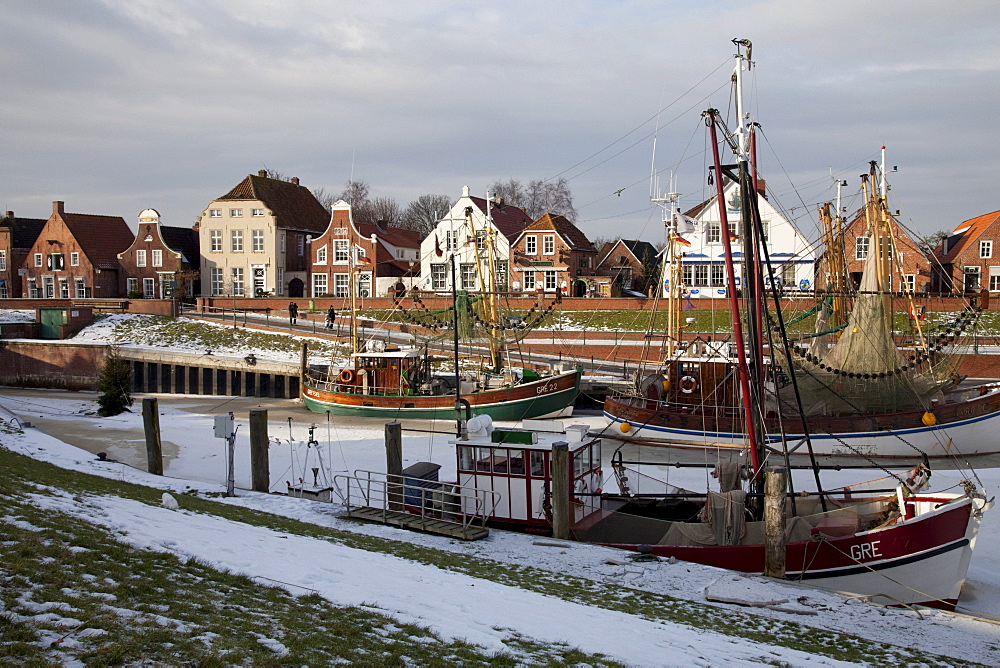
x: 114, y: 382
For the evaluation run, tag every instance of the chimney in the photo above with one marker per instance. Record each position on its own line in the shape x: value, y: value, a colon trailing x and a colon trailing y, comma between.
x: 58, y: 208
x: 295, y: 180
x: 262, y: 172
x: 465, y: 191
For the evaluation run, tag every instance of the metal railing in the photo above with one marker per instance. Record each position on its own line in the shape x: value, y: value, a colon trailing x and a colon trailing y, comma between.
x: 429, y: 500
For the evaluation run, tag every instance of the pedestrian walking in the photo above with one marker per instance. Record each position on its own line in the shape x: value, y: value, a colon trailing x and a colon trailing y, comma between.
x: 293, y: 312
x: 331, y: 317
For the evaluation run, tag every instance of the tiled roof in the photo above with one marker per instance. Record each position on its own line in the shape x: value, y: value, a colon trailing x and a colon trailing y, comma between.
x: 576, y: 239
x: 294, y: 206
x: 101, y: 238
x: 510, y: 220
x: 965, y: 234
x: 393, y: 235
x: 24, y: 230
x: 183, y: 240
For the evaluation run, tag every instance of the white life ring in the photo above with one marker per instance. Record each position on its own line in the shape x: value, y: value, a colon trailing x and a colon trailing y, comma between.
x: 688, y: 384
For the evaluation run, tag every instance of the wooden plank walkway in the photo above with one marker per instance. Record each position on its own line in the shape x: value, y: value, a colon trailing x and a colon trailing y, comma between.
x: 417, y: 523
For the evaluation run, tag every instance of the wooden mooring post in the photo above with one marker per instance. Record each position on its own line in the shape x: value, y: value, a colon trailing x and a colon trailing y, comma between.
x: 775, y: 484
x: 151, y: 425
x: 260, y: 471
x: 560, y: 490
x: 394, y: 465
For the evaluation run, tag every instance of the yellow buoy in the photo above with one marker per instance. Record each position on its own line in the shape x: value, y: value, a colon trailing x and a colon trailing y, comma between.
x: 928, y: 419
x: 625, y: 427
x: 666, y: 384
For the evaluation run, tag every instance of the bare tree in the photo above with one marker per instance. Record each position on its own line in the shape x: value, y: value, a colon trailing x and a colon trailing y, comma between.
x: 383, y: 210
x: 326, y: 198
x: 355, y: 194
x: 928, y: 243
x: 537, y: 197
x: 423, y: 213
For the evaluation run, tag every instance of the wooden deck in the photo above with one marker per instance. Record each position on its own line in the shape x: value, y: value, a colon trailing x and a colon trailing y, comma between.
x: 417, y: 523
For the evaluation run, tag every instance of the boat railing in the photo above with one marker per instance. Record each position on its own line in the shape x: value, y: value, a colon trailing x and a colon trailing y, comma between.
x: 431, y: 500
x: 674, y: 406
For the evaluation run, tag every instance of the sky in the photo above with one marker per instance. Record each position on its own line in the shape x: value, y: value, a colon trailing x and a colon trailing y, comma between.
x: 114, y: 106
x: 478, y: 610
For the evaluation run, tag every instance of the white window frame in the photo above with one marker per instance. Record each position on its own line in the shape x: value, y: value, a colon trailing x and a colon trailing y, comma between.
x: 341, y: 285
x: 215, y: 241
x: 257, y: 241
x: 450, y: 240
x: 281, y: 242
x: 531, y: 244
x: 140, y: 258
x: 713, y: 232
x: 320, y: 284
x: 38, y: 259
x: 862, y: 246
x: 364, y: 284
x: 157, y: 257
x: 551, y: 280
x: 63, y: 288
x: 3, y: 260
x: 281, y: 281
x: 81, y: 288
x: 340, y: 251
x: 321, y: 255
x: 994, y: 279
x: 439, y: 277
x: 74, y: 259
x: 239, y: 282
x: 148, y: 288
x: 909, y: 283
x: 236, y: 213
x: 972, y: 271
x: 548, y: 244
x: 467, y: 278
x: 257, y: 212
x: 986, y: 249
x: 131, y: 285
x: 215, y: 213
x: 236, y: 241
x: 701, y: 275
x: 217, y: 284
x: 529, y: 280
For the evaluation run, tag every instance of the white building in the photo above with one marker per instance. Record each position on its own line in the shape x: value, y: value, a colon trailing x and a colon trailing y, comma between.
x: 464, y: 231
x: 703, y: 262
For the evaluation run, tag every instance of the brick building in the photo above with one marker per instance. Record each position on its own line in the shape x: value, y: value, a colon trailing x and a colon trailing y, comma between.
x: 17, y: 236
x: 162, y: 261
x: 910, y: 270
x: 626, y: 263
x: 552, y: 253
x: 76, y: 256
x: 968, y: 260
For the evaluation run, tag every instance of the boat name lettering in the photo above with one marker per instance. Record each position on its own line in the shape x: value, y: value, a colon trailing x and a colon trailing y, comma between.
x: 865, y: 551
x: 546, y: 388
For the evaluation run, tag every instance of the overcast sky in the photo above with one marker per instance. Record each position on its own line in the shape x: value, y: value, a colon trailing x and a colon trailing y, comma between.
x: 118, y: 105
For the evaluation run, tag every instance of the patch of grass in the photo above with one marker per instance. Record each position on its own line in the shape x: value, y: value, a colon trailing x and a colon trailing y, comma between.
x: 23, y: 471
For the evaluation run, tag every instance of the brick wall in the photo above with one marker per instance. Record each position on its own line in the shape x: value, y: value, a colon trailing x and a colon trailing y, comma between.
x: 30, y: 364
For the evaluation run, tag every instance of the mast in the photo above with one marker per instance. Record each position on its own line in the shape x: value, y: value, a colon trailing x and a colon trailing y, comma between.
x: 352, y: 287
x: 668, y: 273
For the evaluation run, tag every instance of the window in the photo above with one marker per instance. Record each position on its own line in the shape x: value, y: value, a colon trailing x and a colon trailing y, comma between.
x: 550, y: 279
x: 985, y: 249
x: 364, y: 285
x: 438, y: 274
x: 3, y: 260
x: 4, y: 293
x: 910, y: 283
x: 788, y: 276
x: 236, y: 236
x: 450, y: 240
x: 340, y: 248
x: 468, y: 276
x: 340, y: 285
x: 701, y: 274
x: 140, y: 258
x: 257, y: 241
x: 215, y: 213
x: 861, y: 248
x: 971, y: 279
x: 74, y: 259
x: 38, y: 259
x: 157, y: 258
x: 321, y: 255
x: 216, y: 281
x: 687, y: 274
x: 529, y: 280
x: 33, y: 290
x: 63, y: 288
x: 238, y: 284
x: 994, y: 279
x: 148, y: 285
x: 81, y: 289
x: 585, y: 262
x: 236, y: 213
x: 548, y: 244
x: 400, y: 254
x: 132, y: 286
x: 55, y: 262
x: 257, y: 212
x: 319, y: 287
x: 281, y: 281
x: 49, y: 283
x: 718, y: 275
x: 300, y: 241
x: 281, y: 241
x: 500, y: 271
x: 530, y: 245
x: 215, y: 241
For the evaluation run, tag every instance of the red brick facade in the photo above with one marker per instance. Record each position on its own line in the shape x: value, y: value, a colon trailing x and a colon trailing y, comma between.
x: 152, y: 266
x: 968, y: 260
x: 914, y: 265
x: 554, y: 254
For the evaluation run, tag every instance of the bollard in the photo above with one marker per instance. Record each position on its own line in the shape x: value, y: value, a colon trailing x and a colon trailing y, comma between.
x: 260, y: 472
x: 151, y: 425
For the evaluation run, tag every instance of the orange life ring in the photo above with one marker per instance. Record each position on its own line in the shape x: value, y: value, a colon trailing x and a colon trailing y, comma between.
x: 688, y: 384
x: 346, y: 376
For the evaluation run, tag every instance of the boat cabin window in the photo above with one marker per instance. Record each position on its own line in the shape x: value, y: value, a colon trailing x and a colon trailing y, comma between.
x: 516, y: 459
x: 583, y: 461
x: 466, y: 458
x: 537, y: 464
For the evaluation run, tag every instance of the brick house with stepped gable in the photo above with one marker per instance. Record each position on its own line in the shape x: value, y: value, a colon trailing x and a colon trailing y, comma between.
x: 17, y: 236
x: 968, y: 260
x: 163, y: 261
x: 253, y: 239
x: 552, y: 253
x: 503, y: 221
x: 76, y: 256
x: 389, y: 253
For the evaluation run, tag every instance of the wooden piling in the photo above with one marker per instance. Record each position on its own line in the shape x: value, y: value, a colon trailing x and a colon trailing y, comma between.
x: 394, y: 465
x: 775, y: 484
x: 560, y: 490
x: 151, y: 425
x: 303, y: 362
x: 260, y: 471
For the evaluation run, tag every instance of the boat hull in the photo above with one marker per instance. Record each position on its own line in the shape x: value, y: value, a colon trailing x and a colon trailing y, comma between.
x: 922, y: 561
x: 548, y: 397
x: 966, y: 428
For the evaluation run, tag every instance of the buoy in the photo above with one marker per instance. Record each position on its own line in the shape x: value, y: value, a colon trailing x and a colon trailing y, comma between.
x: 625, y: 427
x: 928, y: 419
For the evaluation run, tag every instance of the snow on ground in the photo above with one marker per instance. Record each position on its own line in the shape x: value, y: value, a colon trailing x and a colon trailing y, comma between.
x: 17, y: 315
x: 454, y: 605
